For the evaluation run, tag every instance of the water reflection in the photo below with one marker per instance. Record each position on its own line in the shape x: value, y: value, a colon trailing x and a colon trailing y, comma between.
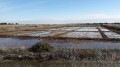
x: 18, y: 43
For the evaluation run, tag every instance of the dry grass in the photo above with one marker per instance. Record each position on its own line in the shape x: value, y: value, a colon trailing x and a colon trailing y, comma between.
x: 20, y: 29
x: 113, y: 26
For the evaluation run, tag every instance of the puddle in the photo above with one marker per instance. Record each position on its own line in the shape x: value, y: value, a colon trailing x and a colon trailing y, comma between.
x: 57, y: 33
x: 112, y: 35
x: 69, y: 28
x: 41, y: 34
x: 87, y: 29
x: 26, y: 33
x: 83, y: 35
x: 54, y: 29
x: 105, y: 30
x: 17, y: 43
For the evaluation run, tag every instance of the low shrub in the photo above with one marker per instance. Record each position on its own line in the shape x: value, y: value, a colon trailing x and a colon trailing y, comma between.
x: 41, y: 47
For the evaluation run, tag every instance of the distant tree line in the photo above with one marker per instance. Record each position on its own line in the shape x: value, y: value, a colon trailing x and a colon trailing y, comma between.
x: 3, y: 23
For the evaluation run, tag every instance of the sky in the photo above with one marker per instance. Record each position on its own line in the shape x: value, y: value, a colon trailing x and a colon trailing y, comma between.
x: 59, y: 11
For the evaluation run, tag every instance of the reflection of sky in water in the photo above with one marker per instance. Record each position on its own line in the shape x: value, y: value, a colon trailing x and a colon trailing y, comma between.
x: 87, y: 29
x: 42, y: 34
x: 16, y: 43
x: 87, y: 44
x: 105, y: 30
x: 83, y: 35
x: 112, y: 35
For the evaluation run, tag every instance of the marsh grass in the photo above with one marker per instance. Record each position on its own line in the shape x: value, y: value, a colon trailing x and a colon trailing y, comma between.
x: 63, y: 58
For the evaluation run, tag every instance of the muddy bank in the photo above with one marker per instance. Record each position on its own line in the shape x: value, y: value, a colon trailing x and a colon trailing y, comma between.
x: 59, y: 38
x: 60, y: 64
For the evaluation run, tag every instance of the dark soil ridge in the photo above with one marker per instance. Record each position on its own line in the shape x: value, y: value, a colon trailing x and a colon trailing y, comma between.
x: 102, y: 33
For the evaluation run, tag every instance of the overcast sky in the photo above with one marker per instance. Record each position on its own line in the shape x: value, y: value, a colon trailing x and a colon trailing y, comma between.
x: 59, y: 11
